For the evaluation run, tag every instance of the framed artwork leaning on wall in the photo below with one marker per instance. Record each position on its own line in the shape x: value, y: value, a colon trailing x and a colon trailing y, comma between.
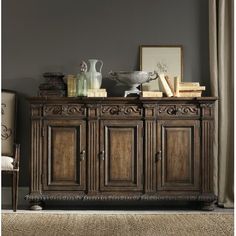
x: 163, y: 59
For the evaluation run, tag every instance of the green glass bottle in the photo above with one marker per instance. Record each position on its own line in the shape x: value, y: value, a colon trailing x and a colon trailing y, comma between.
x: 82, y: 81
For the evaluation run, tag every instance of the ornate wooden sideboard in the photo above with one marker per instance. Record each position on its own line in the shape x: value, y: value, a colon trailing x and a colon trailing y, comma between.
x: 122, y: 149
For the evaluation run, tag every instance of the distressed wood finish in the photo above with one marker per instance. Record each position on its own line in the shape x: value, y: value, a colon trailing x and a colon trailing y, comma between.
x: 66, y: 110
x: 93, y: 148
x: 178, y: 110
x: 121, y: 155
x: 64, y: 155
x: 207, y: 129
x: 124, y: 149
x: 121, y: 110
x: 150, y: 148
x: 36, y: 155
x: 178, y: 155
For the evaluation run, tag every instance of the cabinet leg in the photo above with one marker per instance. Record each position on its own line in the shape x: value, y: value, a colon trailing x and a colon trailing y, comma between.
x: 208, y: 206
x: 36, y: 206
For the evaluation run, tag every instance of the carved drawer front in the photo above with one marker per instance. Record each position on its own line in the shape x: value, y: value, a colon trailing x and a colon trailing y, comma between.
x: 178, y: 110
x: 121, y: 110
x: 64, y: 110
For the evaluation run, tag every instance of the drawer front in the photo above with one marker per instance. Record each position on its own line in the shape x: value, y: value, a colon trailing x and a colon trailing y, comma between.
x: 64, y: 109
x: 180, y: 110
x: 121, y: 110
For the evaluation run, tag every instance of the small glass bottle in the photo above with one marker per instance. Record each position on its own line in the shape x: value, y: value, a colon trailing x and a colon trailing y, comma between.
x: 82, y: 81
x: 71, y: 86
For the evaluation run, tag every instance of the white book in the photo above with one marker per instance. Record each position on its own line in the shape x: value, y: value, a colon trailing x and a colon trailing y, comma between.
x: 176, y: 82
x: 192, y: 88
x: 165, y: 86
x: 151, y: 94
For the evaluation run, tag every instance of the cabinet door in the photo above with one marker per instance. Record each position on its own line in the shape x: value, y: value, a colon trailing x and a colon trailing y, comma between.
x: 64, y: 155
x: 121, y: 155
x: 178, y: 155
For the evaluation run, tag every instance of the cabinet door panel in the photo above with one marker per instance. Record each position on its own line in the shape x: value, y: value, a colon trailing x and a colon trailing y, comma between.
x: 64, y: 143
x: 63, y: 156
x: 121, y: 168
x: 179, y: 165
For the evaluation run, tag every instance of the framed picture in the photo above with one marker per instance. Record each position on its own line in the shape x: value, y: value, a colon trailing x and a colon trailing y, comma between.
x: 163, y: 59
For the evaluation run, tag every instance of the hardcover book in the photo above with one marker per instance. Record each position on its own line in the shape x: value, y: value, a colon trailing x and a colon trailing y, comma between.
x: 165, y: 86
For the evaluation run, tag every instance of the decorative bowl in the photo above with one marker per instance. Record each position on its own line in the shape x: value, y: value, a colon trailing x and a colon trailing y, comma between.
x: 133, y: 79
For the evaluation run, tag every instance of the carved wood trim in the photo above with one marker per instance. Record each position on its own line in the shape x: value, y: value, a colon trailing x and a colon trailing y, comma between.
x: 150, y: 114
x: 207, y: 156
x: 36, y: 110
x: 93, y: 111
x: 36, y: 156
x: 207, y: 110
x: 150, y: 155
x: 178, y: 110
x: 98, y: 197
x: 125, y: 110
x: 64, y: 109
x: 149, y: 111
x: 93, y: 151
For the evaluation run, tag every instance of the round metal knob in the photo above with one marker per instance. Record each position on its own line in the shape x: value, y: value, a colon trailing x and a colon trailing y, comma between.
x: 102, y: 155
x: 159, y: 156
x: 82, y: 155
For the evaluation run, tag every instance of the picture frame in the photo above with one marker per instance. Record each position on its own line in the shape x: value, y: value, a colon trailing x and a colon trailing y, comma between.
x: 167, y: 59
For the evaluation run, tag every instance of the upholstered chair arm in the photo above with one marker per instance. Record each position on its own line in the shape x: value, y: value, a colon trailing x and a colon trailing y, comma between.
x: 16, y: 156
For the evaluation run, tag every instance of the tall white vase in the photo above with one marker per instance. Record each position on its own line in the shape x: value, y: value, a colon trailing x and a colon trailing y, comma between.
x: 94, y: 77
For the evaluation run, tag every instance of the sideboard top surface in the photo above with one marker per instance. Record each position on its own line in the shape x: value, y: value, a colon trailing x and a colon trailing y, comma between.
x: 119, y: 99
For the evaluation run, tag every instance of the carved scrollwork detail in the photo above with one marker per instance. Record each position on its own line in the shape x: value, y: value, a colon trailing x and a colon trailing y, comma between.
x: 178, y: 110
x: 6, y: 132
x: 63, y: 110
x: 3, y: 106
x: 121, y: 110
x: 188, y: 109
x: 83, y: 197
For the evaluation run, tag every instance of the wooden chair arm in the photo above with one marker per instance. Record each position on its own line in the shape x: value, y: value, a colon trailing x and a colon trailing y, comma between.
x: 16, y: 156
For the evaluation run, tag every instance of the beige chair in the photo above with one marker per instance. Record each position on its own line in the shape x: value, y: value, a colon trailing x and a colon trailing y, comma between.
x: 10, y: 151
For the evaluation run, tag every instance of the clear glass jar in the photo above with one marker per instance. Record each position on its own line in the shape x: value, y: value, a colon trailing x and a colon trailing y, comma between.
x: 81, y: 85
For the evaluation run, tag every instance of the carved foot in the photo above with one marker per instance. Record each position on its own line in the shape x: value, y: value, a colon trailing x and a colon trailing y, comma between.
x: 36, y: 206
x: 208, y: 206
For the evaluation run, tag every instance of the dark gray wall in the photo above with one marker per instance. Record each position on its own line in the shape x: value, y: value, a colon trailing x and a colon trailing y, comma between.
x: 55, y: 35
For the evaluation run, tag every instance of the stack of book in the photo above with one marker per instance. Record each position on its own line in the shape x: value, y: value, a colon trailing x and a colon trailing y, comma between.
x: 175, y: 88
x: 96, y: 93
x: 153, y: 94
x: 190, y: 89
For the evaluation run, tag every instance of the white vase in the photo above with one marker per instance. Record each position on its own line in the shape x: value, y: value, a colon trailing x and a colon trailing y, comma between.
x: 94, y: 77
